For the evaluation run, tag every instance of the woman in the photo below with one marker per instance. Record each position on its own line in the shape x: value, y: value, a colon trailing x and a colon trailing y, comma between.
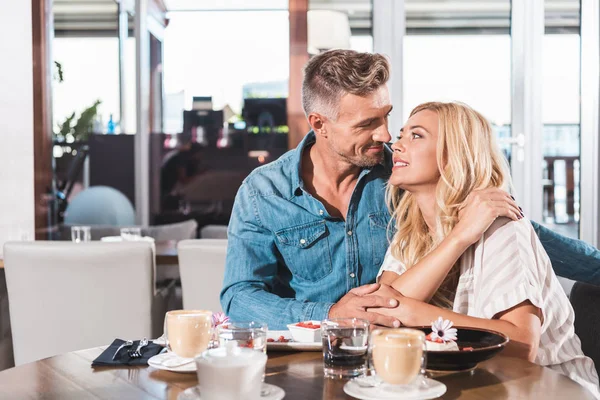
x: 504, y: 281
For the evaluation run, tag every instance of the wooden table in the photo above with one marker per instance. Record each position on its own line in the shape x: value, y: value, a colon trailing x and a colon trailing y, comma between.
x: 70, y: 376
x: 166, y: 253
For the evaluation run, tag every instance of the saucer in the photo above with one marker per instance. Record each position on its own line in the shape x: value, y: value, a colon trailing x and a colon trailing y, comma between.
x: 274, y: 393
x: 429, y: 390
x: 171, y: 362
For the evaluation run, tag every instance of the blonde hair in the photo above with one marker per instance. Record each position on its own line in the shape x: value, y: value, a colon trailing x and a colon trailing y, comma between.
x: 468, y: 159
x: 330, y: 75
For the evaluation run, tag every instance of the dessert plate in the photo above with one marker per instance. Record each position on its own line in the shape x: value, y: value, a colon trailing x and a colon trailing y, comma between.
x: 481, y: 345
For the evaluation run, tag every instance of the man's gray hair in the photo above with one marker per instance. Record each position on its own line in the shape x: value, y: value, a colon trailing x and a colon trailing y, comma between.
x: 330, y: 75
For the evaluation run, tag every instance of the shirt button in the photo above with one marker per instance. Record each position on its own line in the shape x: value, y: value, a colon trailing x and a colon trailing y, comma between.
x: 352, y: 275
x: 302, y: 241
x: 349, y: 233
x: 320, y: 212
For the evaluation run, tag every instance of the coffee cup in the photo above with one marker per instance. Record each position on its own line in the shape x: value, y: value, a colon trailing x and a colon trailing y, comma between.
x: 397, y: 355
x: 230, y: 373
x: 188, y: 332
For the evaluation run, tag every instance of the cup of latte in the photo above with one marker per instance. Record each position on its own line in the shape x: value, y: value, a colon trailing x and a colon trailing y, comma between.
x: 188, y: 332
x: 397, y: 355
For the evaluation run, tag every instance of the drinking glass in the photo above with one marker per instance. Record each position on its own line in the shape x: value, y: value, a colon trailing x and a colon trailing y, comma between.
x: 398, y: 357
x: 81, y: 234
x: 252, y: 334
x: 345, y: 348
x: 131, y: 233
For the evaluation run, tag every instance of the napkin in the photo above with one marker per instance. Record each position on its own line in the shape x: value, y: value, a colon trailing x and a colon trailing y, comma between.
x: 105, y: 359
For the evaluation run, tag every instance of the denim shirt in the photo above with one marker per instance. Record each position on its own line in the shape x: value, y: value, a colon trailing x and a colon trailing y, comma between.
x: 288, y: 260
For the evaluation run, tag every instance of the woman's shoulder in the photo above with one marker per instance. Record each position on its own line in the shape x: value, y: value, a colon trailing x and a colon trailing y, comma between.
x: 504, y: 227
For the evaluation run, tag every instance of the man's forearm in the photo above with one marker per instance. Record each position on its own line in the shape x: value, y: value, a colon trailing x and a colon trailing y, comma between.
x: 256, y: 304
x: 571, y: 258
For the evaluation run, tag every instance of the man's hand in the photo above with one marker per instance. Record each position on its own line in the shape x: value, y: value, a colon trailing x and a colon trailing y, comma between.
x: 479, y: 212
x: 355, y: 303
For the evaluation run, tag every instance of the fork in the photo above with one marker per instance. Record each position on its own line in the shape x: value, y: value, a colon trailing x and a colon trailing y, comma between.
x: 125, y: 344
x: 137, y: 353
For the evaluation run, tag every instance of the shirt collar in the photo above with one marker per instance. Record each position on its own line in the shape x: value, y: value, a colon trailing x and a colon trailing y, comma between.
x: 310, y: 139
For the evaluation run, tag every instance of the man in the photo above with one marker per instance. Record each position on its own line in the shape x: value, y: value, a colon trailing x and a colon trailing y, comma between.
x: 308, y: 232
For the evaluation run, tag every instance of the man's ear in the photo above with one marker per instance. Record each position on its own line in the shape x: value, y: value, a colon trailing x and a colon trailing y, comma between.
x: 317, y: 124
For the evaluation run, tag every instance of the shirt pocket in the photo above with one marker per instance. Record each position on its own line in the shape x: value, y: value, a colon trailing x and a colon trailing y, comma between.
x: 378, y: 225
x: 305, y: 249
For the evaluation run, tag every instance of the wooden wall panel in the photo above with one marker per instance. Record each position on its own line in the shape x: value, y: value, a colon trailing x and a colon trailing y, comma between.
x: 298, y: 58
x: 42, y: 33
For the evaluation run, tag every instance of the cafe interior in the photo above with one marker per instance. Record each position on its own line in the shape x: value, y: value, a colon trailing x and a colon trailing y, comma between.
x: 128, y: 127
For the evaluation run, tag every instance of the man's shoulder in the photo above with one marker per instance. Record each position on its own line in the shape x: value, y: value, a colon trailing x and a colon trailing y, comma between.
x: 275, y: 178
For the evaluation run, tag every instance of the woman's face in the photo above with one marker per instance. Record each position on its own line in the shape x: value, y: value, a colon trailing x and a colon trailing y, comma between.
x: 415, y: 164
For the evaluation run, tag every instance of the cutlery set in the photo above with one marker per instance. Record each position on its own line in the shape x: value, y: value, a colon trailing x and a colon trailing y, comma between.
x: 137, y: 353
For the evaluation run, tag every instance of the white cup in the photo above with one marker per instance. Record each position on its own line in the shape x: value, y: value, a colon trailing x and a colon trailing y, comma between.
x: 230, y: 373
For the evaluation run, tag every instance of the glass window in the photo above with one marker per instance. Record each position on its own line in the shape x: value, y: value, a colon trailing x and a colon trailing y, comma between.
x: 218, y: 53
x: 561, y: 116
x: 460, y: 51
x: 91, y: 72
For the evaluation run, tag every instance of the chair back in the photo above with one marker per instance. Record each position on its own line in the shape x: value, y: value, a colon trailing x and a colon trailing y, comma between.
x: 202, y: 267
x: 67, y: 296
x: 177, y: 231
x: 585, y: 299
x: 214, y: 232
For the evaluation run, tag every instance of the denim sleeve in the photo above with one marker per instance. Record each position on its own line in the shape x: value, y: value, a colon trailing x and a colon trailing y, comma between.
x: 571, y: 258
x: 251, y: 271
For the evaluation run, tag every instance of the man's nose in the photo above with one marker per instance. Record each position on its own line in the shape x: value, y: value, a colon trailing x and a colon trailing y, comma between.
x: 382, y: 135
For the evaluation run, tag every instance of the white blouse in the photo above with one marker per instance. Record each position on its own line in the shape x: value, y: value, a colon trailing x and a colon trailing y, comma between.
x: 506, y: 267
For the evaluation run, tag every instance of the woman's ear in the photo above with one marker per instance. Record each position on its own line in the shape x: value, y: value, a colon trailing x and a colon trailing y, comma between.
x: 317, y: 124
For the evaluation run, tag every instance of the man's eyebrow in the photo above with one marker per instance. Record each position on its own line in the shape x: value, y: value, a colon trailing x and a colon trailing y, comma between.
x: 369, y: 120
x: 365, y: 121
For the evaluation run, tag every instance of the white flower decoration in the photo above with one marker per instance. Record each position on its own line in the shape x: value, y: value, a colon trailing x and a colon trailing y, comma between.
x: 442, y: 329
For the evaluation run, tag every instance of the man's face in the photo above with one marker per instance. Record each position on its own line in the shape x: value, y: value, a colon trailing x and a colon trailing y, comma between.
x: 361, y: 128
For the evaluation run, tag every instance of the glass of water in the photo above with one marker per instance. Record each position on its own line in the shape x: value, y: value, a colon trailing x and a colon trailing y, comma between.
x: 81, y: 234
x: 345, y: 347
x: 131, y: 233
x: 252, y: 335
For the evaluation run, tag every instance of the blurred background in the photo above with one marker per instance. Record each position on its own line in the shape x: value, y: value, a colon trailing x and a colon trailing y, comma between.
x: 173, y: 102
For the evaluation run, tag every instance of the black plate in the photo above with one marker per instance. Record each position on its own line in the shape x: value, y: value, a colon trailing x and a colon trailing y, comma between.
x: 485, y: 343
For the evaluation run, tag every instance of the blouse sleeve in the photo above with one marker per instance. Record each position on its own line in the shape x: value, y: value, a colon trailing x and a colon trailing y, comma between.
x: 390, y: 263
x: 510, y: 269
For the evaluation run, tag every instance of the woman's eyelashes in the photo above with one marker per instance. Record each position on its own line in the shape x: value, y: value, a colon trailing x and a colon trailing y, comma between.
x: 413, y: 135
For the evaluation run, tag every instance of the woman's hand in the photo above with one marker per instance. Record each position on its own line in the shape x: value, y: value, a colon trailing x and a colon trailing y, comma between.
x: 396, y: 312
x: 479, y: 212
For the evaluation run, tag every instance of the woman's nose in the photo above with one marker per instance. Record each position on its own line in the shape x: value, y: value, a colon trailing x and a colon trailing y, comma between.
x: 398, y: 146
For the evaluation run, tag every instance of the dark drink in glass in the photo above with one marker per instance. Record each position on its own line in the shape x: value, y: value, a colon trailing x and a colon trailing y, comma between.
x: 345, y: 344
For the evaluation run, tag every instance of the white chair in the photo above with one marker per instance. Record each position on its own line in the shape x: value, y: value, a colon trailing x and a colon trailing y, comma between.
x: 214, y: 232
x: 67, y: 296
x: 160, y: 233
x: 202, y: 266
x: 177, y: 231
